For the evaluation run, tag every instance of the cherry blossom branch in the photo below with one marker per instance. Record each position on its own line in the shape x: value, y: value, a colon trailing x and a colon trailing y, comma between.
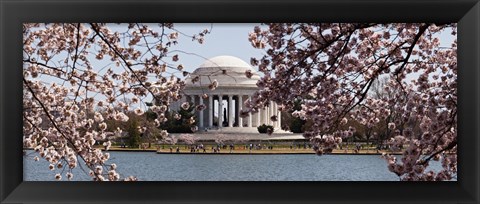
x: 76, y: 50
x: 94, y: 27
x: 47, y: 113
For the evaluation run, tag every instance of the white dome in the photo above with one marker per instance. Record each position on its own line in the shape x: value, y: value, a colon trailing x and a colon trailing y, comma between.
x: 225, y: 61
x: 229, y: 71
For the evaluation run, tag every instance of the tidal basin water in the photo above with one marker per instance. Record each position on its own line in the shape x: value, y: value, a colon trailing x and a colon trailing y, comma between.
x: 149, y: 166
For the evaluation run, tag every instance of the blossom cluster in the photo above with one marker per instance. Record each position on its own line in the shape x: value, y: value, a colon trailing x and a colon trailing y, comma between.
x: 396, y: 80
x: 78, y: 75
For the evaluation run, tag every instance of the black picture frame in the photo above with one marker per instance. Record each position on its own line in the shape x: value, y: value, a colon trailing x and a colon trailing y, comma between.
x: 13, y: 13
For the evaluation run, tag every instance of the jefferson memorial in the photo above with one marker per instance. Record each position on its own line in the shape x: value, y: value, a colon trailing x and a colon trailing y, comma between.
x: 224, y: 103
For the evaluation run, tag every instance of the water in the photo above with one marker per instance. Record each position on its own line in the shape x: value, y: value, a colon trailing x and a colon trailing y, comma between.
x: 149, y: 166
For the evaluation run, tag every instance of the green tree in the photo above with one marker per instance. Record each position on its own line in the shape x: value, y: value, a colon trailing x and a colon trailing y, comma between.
x: 133, y: 133
x: 183, y: 125
x: 296, y: 125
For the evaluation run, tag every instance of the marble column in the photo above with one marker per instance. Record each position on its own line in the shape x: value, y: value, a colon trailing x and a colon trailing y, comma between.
x: 230, y: 111
x: 200, y: 122
x: 250, y: 114
x: 275, y: 110
x: 270, y: 122
x: 192, y: 99
x: 210, y: 111
x: 240, y: 102
x: 259, y: 114
x: 279, y: 121
x: 220, y: 111
x: 192, y: 104
x: 265, y: 113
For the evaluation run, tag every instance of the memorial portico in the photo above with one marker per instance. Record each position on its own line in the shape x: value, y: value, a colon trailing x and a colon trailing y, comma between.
x: 224, y: 104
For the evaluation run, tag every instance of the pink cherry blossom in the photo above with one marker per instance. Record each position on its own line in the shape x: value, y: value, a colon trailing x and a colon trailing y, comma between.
x: 78, y: 75
x: 393, y: 79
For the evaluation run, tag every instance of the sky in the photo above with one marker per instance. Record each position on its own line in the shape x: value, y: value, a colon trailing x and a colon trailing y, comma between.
x: 223, y: 39
x: 230, y: 39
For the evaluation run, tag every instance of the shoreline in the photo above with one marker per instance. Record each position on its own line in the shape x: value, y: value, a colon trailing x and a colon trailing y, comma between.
x: 269, y: 153
x: 253, y: 152
x: 243, y: 152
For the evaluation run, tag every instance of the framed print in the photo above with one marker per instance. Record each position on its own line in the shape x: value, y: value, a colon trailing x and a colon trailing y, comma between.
x: 229, y: 101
